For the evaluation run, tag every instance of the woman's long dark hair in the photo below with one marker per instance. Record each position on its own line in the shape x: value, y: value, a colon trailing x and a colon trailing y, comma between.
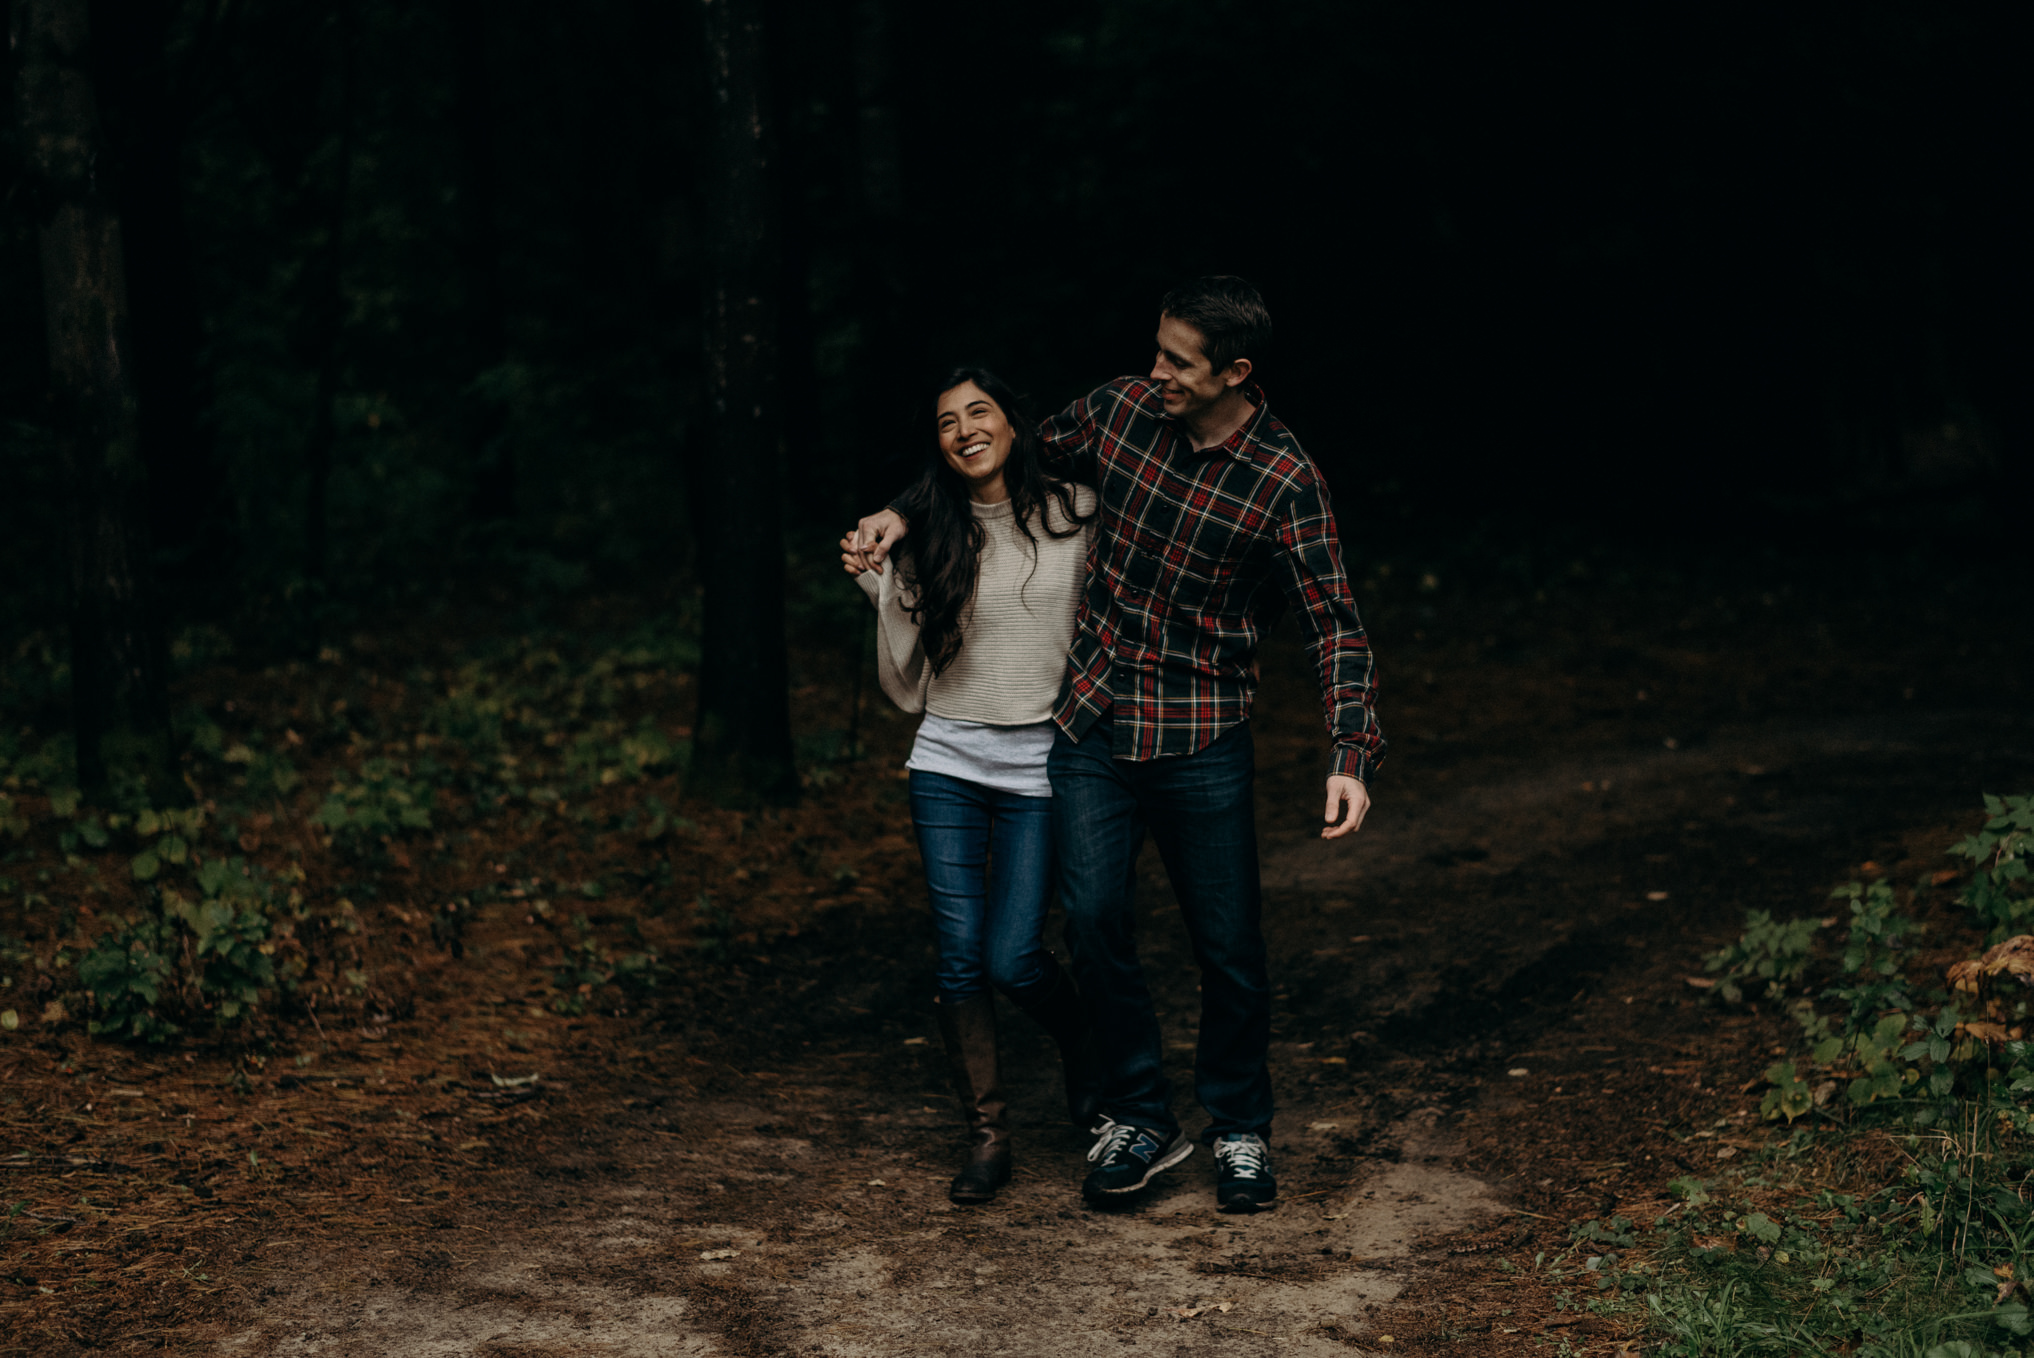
x: 942, y: 553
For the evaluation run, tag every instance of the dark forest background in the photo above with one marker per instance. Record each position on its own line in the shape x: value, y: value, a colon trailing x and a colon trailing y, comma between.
x: 417, y: 289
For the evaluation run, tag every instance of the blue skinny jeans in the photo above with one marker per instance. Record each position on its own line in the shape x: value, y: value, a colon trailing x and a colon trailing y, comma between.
x: 988, y: 867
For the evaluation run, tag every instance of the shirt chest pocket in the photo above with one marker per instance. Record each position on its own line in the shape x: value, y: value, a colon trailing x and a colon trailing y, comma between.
x: 1167, y: 579
x: 1176, y: 547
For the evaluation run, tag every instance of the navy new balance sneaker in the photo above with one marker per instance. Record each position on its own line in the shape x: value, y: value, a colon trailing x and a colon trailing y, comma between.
x: 1126, y: 1158
x: 1243, y: 1179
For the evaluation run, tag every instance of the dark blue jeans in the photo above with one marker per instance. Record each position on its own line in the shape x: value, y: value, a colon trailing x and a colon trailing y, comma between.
x: 988, y: 866
x: 1199, y: 809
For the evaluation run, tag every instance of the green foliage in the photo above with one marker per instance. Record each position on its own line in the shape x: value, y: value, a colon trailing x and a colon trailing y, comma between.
x: 1999, y: 892
x: 26, y: 762
x: 1790, y: 1097
x: 1933, y: 1264
x: 210, y: 952
x: 609, y: 754
x: 1768, y: 958
x: 380, y: 801
x: 1896, y: 1272
x: 127, y: 972
x: 172, y: 833
x: 1871, y: 950
x: 268, y: 775
x: 230, y: 922
x: 536, y: 692
x: 585, y: 968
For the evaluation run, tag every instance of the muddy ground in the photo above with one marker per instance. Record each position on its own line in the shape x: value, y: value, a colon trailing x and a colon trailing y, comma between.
x: 1483, y: 1033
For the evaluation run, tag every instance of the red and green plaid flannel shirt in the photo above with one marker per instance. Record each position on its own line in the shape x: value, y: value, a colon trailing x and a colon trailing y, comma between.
x: 1197, y: 551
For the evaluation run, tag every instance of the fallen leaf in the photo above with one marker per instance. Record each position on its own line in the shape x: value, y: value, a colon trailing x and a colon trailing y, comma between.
x: 471, y: 1146
x: 710, y: 1255
x: 1656, y: 895
x: 1700, y: 982
x: 914, y: 1041
x: 1518, y: 1072
x: 1324, y: 1126
x: 9, y: 1020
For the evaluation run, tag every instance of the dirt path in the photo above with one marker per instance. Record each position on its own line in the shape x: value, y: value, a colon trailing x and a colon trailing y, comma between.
x: 1505, y: 912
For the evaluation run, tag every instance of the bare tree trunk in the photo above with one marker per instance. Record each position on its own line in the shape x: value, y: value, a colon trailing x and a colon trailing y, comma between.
x: 818, y: 494
x: 327, y: 327
x: 119, y: 691
x: 494, y: 472
x: 882, y: 253
x: 145, y: 100
x: 742, y: 740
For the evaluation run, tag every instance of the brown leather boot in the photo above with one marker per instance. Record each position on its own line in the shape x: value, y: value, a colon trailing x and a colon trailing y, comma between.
x: 1055, y: 1005
x: 969, y: 1028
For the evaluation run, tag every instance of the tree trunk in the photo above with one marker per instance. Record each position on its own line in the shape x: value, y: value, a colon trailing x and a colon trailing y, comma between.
x: 327, y: 326
x: 147, y: 115
x: 883, y: 386
x: 820, y: 492
x: 484, y: 417
x: 120, y: 700
x: 742, y: 740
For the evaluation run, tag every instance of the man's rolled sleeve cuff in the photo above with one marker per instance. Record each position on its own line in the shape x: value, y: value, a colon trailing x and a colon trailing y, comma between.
x: 1350, y: 762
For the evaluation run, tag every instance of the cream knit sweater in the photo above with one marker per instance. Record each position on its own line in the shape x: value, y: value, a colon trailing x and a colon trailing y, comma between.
x: 1015, y: 635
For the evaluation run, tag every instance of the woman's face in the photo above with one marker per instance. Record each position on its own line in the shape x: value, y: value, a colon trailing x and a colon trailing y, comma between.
x: 975, y: 438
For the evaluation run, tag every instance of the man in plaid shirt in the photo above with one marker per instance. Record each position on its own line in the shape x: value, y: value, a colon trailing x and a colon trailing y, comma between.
x: 1213, y: 522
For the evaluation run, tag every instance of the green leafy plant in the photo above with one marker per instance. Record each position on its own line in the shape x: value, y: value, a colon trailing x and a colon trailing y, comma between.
x: 1999, y: 891
x: 230, y: 926
x: 171, y: 832
x: 211, y: 953
x: 268, y: 773
x: 127, y: 972
x: 381, y: 800
x: 1770, y: 956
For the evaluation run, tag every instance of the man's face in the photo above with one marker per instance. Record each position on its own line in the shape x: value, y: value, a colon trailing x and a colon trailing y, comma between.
x: 1188, y: 382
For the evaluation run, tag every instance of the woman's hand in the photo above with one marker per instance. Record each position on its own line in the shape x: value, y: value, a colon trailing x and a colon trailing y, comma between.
x: 866, y: 547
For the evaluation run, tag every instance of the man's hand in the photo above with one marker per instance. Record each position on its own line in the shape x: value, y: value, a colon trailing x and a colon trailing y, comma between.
x: 1348, y: 799
x: 866, y: 547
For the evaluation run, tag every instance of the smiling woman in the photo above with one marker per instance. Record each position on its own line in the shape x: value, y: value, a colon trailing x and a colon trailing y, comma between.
x: 975, y: 438
x: 986, y: 453
x: 974, y: 624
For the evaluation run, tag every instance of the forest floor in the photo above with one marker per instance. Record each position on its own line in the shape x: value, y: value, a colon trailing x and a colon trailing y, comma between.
x: 1484, y: 1030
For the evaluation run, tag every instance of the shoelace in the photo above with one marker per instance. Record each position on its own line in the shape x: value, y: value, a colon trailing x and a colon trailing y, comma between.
x: 1245, y: 1159
x: 1115, y: 1136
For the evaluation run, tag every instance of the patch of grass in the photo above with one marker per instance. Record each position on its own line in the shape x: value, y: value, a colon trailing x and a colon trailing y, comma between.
x: 1898, y: 1220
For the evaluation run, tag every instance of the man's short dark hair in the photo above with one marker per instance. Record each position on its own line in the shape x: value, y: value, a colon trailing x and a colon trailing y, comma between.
x: 1230, y: 314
